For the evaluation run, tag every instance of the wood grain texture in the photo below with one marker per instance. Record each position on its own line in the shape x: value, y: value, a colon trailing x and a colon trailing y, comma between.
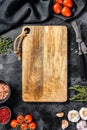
x: 44, y: 64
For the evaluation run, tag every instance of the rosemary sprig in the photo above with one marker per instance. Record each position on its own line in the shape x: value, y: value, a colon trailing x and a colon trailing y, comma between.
x: 81, y: 93
x: 5, y: 44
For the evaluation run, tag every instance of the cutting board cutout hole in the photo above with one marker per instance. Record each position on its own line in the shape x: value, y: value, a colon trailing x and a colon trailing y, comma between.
x: 27, y: 30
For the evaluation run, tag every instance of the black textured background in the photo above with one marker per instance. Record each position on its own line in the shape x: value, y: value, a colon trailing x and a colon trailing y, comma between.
x: 43, y: 113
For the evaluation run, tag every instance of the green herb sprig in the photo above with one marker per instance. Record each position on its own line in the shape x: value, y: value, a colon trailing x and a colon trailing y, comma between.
x: 81, y: 93
x: 5, y: 44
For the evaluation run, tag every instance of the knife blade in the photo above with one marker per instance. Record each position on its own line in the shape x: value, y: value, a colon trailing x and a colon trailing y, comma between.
x: 82, y: 51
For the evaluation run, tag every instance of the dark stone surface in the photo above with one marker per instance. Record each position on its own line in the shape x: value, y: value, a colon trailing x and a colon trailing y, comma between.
x: 43, y: 113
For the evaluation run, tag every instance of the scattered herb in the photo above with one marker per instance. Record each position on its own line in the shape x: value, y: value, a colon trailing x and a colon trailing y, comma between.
x: 81, y: 95
x: 5, y: 44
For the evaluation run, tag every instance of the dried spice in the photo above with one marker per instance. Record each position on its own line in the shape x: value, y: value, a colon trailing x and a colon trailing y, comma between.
x: 4, y: 115
x: 4, y: 91
x: 81, y: 93
x: 5, y: 44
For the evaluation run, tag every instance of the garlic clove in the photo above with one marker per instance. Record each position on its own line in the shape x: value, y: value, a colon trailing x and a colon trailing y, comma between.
x: 65, y: 124
x: 60, y: 114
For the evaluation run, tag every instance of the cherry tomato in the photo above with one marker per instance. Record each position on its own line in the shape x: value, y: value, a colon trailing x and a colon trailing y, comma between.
x: 57, y: 8
x: 59, y: 1
x: 24, y: 126
x: 20, y: 119
x: 28, y: 118
x: 14, y: 123
x: 32, y: 126
x: 68, y: 3
x: 66, y: 11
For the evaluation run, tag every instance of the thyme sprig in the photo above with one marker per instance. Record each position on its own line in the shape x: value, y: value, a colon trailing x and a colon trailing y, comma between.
x: 81, y: 93
x: 5, y: 44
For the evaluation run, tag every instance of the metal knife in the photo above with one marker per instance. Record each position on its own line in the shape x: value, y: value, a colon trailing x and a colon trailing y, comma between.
x: 82, y: 51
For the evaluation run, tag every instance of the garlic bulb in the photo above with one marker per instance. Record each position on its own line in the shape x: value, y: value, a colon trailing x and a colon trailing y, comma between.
x: 73, y: 116
x: 83, y: 113
x: 81, y: 125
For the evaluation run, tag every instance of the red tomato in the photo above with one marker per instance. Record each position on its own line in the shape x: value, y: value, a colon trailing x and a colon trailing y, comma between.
x: 66, y: 11
x: 28, y: 118
x: 59, y: 1
x: 57, y: 8
x: 32, y: 126
x: 24, y: 126
x: 68, y: 3
x: 20, y: 119
x: 14, y: 123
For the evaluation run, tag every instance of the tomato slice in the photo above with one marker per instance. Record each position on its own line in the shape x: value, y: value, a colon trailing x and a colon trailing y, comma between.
x: 57, y: 8
x: 66, y: 11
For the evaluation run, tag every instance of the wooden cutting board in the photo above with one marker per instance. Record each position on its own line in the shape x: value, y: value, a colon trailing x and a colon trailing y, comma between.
x: 44, y: 64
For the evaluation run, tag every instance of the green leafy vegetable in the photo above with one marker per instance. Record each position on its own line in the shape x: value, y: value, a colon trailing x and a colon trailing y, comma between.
x: 81, y: 93
x: 5, y: 44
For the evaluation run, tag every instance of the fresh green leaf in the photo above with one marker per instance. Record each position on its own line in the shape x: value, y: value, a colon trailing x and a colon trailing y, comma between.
x: 5, y: 44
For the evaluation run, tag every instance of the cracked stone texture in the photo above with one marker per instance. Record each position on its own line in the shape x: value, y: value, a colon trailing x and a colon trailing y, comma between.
x: 43, y: 113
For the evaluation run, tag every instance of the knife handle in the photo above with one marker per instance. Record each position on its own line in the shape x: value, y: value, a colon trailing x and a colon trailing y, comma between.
x: 77, y: 31
x: 82, y: 67
x: 85, y: 57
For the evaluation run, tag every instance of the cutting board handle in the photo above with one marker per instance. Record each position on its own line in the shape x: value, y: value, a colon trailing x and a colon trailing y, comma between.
x: 18, y: 41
